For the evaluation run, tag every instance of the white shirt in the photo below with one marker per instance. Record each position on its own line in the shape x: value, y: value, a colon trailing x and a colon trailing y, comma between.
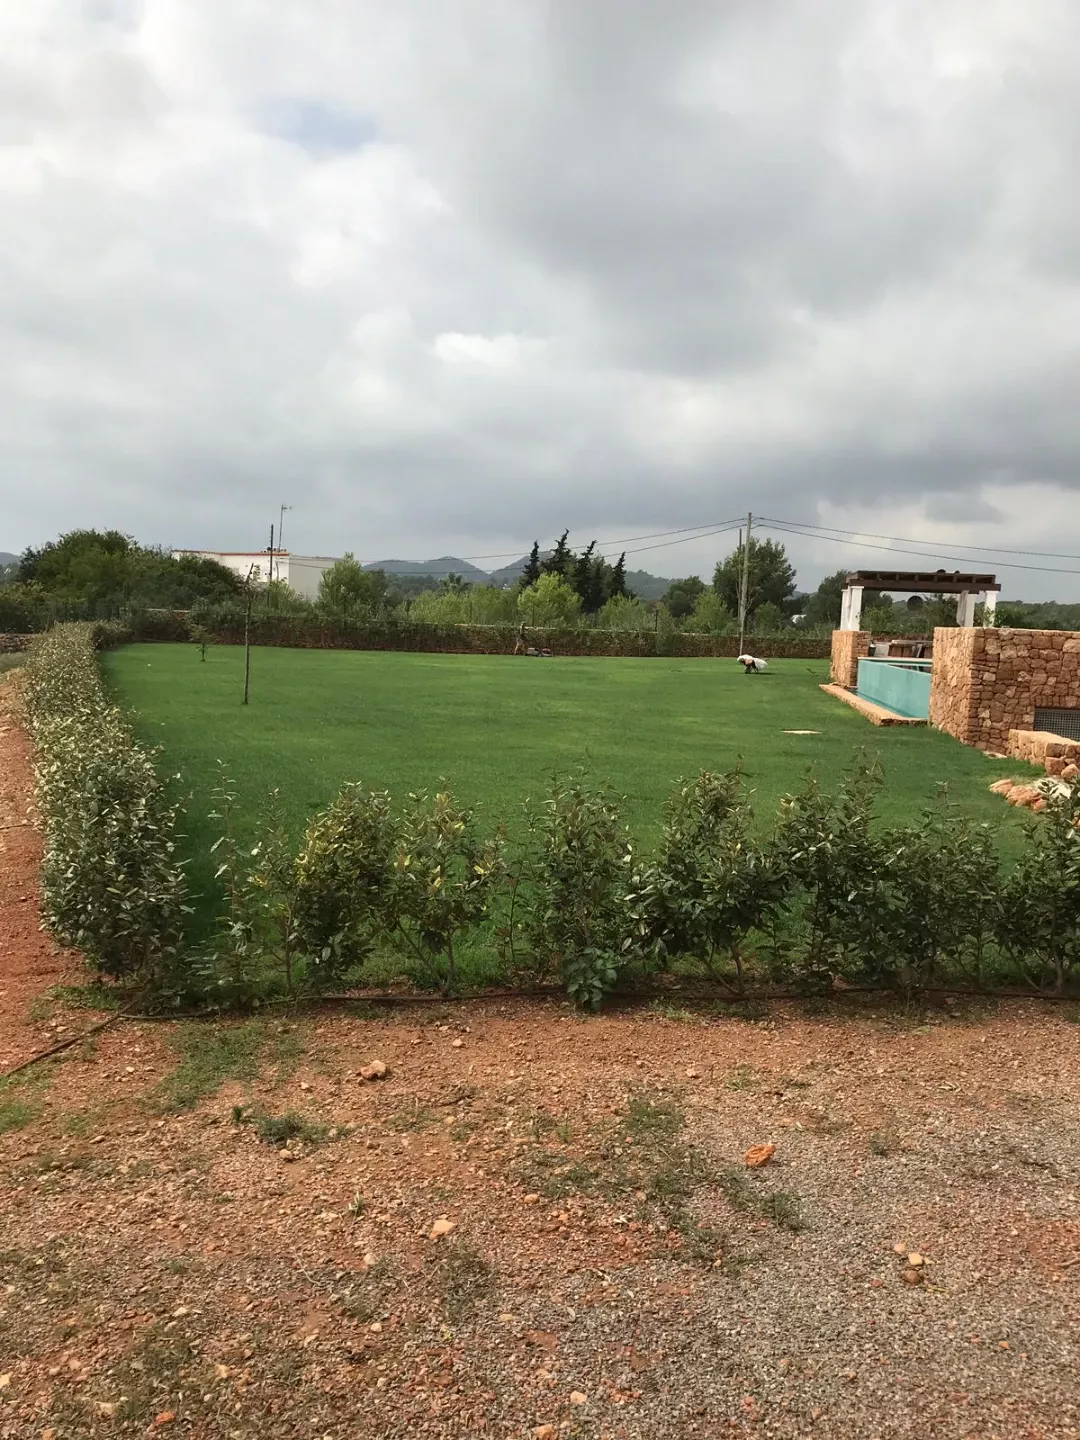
x: 752, y: 660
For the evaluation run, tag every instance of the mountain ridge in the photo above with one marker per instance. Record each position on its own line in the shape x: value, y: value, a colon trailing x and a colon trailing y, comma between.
x: 643, y: 584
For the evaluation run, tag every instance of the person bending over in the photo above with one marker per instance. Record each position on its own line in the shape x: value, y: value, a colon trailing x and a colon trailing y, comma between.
x: 752, y: 665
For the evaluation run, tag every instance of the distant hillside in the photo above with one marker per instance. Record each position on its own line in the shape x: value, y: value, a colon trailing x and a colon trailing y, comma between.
x: 646, y: 586
x: 643, y: 585
x: 6, y: 558
x: 444, y: 565
x: 509, y: 573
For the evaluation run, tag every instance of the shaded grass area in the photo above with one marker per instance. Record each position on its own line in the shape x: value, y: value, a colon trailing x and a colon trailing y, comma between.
x: 497, y: 727
x: 208, y: 1055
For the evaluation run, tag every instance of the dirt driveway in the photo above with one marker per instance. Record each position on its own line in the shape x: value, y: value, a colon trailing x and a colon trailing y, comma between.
x: 534, y: 1225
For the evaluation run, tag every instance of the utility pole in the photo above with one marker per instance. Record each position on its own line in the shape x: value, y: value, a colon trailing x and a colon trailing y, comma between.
x: 280, y: 533
x: 247, y: 634
x: 744, y: 586
x: 270, y: 571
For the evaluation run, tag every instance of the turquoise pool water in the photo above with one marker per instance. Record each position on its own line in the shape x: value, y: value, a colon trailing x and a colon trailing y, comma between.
x: 903, y: 688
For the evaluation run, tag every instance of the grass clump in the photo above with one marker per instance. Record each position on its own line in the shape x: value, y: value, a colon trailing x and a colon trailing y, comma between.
x: 780, y: 1206
x: 21, y: 1100
x: 210, y: 1055
x: 16, y: 1111
x: 279, y: 1130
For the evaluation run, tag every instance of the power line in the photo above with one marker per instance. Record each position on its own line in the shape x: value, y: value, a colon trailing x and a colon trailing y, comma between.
x: 720, y: 530
x: 908, y: 540
x: 786, y: 528
x: 713, y: 527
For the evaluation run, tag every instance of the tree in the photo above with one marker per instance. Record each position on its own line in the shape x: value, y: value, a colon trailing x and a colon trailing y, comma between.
x: 531, y: 573
x: 102, y: 573
x: 771, y: 580
x: 560, y: 559
x: 585, y: 580
x: 770, y: 620
x: 348, y: 589
x: 681, y: 595
x: 617, y: 579
x: 710, y: 616
x: 623, y: 612
x: 550, y: 602
x: 453, y: 584
x: 823, y: 606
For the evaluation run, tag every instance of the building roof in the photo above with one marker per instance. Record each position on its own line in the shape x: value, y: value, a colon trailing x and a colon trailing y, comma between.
x: 923, y: 582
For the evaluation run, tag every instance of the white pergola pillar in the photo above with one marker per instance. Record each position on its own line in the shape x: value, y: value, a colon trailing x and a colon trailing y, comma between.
x: 851, y: 607
x: 965, y: 609
x: 990, y: 607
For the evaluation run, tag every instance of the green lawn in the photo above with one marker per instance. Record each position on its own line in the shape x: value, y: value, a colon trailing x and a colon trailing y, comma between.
x: 495, y: 728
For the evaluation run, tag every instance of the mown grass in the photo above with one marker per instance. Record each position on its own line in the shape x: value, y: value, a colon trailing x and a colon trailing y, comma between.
x: 495, y: 728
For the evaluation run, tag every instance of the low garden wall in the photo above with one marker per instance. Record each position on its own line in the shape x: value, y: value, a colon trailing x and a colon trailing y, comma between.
x: 1054, y: 753
x: 13, y: 644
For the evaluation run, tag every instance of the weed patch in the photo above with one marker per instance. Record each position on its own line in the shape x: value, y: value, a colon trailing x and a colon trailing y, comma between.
x: 280, y: 1130
x: 21, y: 1099
x: 464, y: 1277
x: 742, y: 1194
x: 210, y: 1055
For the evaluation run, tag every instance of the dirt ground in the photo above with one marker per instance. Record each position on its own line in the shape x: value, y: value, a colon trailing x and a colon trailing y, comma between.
x: 226, y: 1231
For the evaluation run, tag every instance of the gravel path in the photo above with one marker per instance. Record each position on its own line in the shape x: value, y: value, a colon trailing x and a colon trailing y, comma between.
x: 614, y: 1269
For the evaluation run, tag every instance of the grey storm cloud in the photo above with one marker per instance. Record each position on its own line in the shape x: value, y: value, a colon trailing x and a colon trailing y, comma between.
x: 450, y: 277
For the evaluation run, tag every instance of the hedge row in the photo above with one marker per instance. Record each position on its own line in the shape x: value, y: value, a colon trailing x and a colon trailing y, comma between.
x: 319, y: 632
x: 826, y: 898
x: 374, y: 892
x: 111, y: 883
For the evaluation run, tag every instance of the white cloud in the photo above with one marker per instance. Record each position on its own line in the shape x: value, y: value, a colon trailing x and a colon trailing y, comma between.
x: 452, y: 277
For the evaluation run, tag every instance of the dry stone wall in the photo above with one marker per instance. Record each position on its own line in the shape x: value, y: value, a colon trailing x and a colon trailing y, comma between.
x: 1056, y: 754
x: 848, y: 647
x: 987, y: 682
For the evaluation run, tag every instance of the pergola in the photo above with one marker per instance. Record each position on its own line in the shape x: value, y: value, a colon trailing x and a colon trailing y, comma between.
x: 920, y: 582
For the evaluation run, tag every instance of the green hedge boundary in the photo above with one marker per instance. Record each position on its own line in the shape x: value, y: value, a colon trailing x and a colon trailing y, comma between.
x: 826, y: 898
x: 111, y: 883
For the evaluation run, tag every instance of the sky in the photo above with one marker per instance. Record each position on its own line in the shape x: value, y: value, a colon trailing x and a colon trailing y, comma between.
x: 447, y: 276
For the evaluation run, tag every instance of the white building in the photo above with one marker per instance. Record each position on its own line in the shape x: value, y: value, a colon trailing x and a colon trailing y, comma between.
x: 301, y: 573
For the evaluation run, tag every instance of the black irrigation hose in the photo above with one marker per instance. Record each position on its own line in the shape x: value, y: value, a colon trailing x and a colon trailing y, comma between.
x: 629, y: 1000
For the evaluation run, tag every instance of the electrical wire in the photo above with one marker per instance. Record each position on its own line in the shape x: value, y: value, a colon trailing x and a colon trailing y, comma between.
x: 908, y: 540
x: 788, y: 529
x: 713, y: 527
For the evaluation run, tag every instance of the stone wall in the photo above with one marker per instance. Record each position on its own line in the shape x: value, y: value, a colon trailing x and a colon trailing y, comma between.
x: 848, y: 648
x: 987, y: 682
x: 12, y: 644
x: 1054, y: 753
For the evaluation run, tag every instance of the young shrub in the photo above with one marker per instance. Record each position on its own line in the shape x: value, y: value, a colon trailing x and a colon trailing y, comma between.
x: 666, y: 630
x: 111, y: 883
x: 443, y: 879
x: 232, y: 971
x: 937, y: 909
x: 575, y: 916
x: 1039, y: 924
x: 712, y: 884
x: 827, y: 847
x: 274, y: 902
x: 344, y: 875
